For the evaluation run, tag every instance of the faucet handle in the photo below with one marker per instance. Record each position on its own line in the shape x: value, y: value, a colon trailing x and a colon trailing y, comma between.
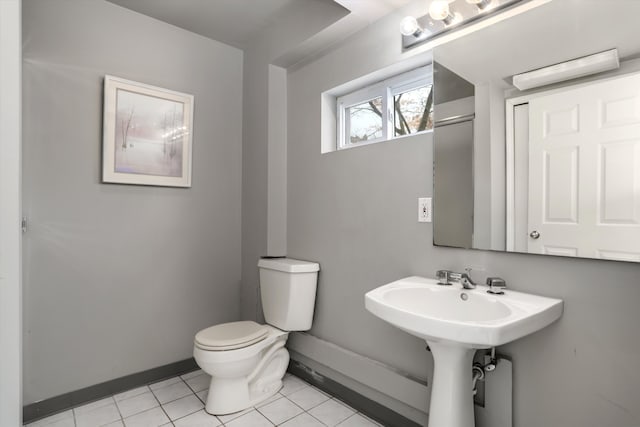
x: 496, y: 285
x: 443, y: 277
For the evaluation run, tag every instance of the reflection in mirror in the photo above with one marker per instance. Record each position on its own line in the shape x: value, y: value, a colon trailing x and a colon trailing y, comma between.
x: 453, y: 160
x: 552, y: 170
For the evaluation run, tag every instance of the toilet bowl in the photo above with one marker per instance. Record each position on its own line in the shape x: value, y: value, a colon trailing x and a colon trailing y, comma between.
x: 243, y: 373
x: 247, y: 360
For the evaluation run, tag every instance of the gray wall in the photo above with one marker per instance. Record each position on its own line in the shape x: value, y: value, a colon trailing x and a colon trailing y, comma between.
x: 263, y: 145
x: 118, y: 278
x: 453, y: 185
x: 354, y: 211
x: 10, y: 213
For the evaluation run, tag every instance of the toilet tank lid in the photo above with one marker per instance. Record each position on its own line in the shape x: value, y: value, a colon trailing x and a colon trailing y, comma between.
x: 288, y: 265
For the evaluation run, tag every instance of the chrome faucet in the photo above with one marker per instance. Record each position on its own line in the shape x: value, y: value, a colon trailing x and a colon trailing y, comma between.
x: 446, y: 277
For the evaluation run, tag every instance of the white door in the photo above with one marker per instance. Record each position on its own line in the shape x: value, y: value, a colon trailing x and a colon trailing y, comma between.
x: 584, y: 171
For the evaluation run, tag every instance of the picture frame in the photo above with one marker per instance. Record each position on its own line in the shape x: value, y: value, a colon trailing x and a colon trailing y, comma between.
x: 147, y: 134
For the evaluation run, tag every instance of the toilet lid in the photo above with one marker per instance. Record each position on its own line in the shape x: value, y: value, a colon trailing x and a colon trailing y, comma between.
x: 230, y: 336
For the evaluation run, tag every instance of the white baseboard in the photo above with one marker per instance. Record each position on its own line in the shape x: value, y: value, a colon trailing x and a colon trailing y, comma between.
x: 393, y: 389
x: 376, y: 381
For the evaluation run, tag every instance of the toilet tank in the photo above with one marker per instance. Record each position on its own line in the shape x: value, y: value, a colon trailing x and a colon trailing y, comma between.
x: 288, y: 292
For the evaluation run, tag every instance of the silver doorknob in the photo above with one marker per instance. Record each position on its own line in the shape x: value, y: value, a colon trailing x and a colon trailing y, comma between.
x: 534, y: 234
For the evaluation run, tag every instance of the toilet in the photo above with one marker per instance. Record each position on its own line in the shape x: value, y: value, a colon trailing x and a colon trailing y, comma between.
x: 247, y: 360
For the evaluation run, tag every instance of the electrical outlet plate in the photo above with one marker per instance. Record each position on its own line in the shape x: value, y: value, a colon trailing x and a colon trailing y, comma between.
x: 424, y: 209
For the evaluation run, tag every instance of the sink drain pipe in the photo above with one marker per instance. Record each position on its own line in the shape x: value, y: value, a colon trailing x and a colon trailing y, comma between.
x: 478, y: 370
x: 478, y: 374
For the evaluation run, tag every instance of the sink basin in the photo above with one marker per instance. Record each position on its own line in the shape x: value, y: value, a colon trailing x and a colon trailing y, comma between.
x: 470, y: 317
x: 455, y: 322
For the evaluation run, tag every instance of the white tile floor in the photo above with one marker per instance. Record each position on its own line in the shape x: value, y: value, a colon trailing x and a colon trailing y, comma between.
x: 180, y: 401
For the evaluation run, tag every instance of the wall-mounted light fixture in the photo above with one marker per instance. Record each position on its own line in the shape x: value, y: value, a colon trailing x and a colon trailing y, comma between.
x: 573, y: 69
x: 445, y: 16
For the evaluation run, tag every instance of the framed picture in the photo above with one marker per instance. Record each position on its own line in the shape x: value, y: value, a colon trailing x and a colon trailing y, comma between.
x: 147, y: 134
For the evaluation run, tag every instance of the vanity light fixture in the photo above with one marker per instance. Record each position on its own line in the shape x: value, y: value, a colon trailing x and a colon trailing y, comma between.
x: 481, y: 4
x: 445, y: 16
x: 580, y: 67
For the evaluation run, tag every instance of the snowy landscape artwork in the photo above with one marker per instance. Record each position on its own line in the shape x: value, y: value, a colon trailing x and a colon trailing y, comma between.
x: 147, y: 134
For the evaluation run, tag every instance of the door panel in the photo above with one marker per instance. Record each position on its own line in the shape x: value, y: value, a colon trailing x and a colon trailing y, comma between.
x: 561, y: 122
x: 560, y: 189
x: 571, y: 134
x: 557, y: 250
x: 619, y: 112
x: 620, y: 167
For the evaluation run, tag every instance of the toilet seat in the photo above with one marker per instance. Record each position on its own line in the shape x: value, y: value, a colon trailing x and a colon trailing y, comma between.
x: 231, y: 336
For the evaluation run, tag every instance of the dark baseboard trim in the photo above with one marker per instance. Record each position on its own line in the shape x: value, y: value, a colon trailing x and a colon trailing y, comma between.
x: 372, y: 409
x: 53, y: 405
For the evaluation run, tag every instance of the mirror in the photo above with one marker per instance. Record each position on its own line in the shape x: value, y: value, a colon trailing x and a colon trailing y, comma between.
x: 553, y: 170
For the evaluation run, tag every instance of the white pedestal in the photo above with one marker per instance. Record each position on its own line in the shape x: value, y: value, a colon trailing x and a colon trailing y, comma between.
x: 451, y: 391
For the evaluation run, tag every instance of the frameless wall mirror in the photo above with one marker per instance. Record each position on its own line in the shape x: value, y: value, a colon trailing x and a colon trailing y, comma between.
x: 553, y: 168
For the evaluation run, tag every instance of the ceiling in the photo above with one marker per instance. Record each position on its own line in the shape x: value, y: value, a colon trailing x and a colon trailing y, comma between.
x: 233, y: 22
x: 237, y: 22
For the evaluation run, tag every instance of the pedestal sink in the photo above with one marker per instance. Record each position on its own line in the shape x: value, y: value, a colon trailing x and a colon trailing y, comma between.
x: 456, y: 322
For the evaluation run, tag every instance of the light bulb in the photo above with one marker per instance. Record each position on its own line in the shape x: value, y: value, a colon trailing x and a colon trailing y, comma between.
x: 439, y: 9
x: 409, y: 26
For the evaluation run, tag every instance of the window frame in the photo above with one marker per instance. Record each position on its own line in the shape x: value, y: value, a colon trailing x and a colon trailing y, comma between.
x: 386, y: 89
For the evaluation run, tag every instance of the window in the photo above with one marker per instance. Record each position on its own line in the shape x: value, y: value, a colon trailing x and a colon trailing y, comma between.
x: 393, y: 108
